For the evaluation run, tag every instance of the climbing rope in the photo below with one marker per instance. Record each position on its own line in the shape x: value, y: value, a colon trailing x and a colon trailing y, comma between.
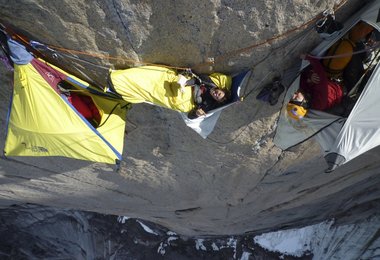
x: 347, y: 54
x: 246, y: 94
x: 208, y: 62
x: 221, y: 57
x: 302, y: 36
x: 109, y: 57
x: 127, y: 107
x: 211, y: 61
x: 270, y: 40
x: 85, y: 61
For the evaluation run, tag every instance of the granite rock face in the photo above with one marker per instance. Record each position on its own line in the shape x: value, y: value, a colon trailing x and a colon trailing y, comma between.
x: 236, y: 181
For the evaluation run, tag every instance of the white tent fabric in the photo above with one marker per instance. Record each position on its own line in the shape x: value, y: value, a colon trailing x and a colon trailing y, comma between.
x: 290, y: 132
x: 361, y: 132
x: 202, y: 125
x: 341, y: 139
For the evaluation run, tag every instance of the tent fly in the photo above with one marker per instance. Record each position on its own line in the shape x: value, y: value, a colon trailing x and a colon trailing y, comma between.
x: 342, y: 136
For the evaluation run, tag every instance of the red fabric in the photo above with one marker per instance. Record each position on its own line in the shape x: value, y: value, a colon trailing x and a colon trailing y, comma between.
x: 203, y: 89
x: 326, y: 93
x: 85, y: 106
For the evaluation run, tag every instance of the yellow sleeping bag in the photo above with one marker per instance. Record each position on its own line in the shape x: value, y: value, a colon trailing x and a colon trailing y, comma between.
x: 158, y: 85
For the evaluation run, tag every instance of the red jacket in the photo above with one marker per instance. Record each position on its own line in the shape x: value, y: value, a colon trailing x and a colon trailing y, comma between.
x: 326, y: 93
x: 85, y: 106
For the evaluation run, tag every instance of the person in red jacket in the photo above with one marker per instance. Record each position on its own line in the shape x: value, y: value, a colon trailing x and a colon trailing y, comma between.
x: 316, y: 91
x: 86, y: 107
x: 82, y: 103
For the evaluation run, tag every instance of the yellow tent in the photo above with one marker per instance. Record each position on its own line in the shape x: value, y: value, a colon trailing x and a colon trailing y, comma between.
x: 43, y: 123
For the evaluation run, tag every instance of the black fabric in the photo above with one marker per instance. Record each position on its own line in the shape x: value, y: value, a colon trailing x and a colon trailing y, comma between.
x: 333, y: 161
x: 203, y: 100
x: 354, y: 70
x: 110, y: 85
x: 208, y: 102
x: 328, y: 25
x: 206, y: 80
x: 4, y: 47
x: 202, y: 85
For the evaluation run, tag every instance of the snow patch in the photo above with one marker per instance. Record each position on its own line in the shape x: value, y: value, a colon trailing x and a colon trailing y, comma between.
x: 294, y: 242
x: 161, y: 248
x: 171, y: 239
x: 171, y: 233
x: 199, y: 244
x: 245, y: 256
x: 232, y: 243
x: 122, y: 219
x: 146, y: 228
x: 214, y: 246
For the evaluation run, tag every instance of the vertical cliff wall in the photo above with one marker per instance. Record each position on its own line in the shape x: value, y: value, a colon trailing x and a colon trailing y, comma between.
x: 233, y: 182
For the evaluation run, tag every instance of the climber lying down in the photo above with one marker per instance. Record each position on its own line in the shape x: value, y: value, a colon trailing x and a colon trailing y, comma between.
x: 166, y: 88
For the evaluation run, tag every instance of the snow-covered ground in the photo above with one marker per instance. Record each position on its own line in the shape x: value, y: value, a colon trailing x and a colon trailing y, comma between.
x: 296, y: 242
x: 85, y: 235
x: 327, y: 241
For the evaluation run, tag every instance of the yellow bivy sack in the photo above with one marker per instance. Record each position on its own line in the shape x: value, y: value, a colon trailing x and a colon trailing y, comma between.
x: 158, y: 85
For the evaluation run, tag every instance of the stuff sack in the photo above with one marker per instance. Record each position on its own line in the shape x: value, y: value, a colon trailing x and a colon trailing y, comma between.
x: 342, y: 54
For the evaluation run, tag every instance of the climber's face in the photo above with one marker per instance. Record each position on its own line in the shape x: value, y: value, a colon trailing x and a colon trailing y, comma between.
x: 217, y: 94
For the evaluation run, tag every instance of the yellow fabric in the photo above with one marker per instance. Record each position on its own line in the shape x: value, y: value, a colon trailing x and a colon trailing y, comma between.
x: 360, y: 31
x: 158, y: 85
x: 42, y: 124
x: 221, y: 80
x: 336, y: 65
x: 296, y: 112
